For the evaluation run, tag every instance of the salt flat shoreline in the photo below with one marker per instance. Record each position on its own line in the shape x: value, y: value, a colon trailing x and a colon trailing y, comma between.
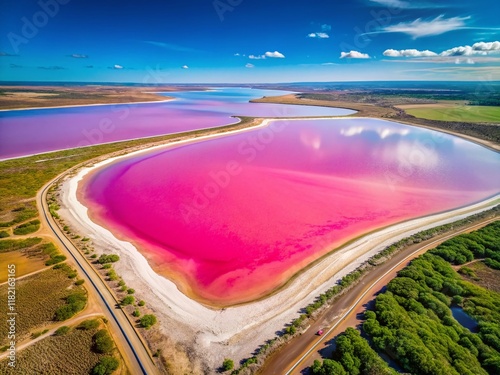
x: 235, y: 332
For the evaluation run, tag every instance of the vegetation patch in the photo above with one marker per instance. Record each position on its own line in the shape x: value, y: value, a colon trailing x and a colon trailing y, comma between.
x: 89, y: 324
x: 482, y: 275
x: 413, y: 323
x: 11, y: 245
x: 66, y: 354
x: 38, y: 297
x: 75, y: 302
x: 464, y: 113
x: 148, y: 320
x: 21, y: 213
x: 106, y: 366
x: 54, y: 255
x: 108, y: 258
x: 103, y: 343
x: 27, y: 228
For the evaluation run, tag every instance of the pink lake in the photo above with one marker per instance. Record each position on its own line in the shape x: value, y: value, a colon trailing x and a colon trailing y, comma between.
x: 28, y: 132
x: 231, y: 219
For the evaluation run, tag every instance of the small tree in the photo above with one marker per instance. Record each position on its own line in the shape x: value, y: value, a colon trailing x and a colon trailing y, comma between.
x: 130, y: 291
x: 108, y: 258
x: 141, y: 303
x: 106, y: 366
x: 128, y: 300
x: 103, y: 342
x: 87, y: 325
x: 136, y: 313
x: 148, y: 320
x: 228, y: 364
x: 61, y: 331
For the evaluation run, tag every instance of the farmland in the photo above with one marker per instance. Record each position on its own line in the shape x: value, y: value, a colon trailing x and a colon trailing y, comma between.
x: 464, y: 113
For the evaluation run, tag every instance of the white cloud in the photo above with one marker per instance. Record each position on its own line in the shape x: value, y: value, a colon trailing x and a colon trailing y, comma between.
x: 249, y: 66
x: 408, y: 53
x: 116, y: 66
x: 354, y: 55
x: 478, y: 49
x: 392, y: 3
x: 413, y: 4
x: 489, y: 46
x: 458, y: 51
x: 78, y: 56
x: 481, y: 48
x: 420, y: 28
x: 237, y: 54
x: 185, y: 67
x: 326, y: 27
x: 275, y: 54
x: 318, y: 35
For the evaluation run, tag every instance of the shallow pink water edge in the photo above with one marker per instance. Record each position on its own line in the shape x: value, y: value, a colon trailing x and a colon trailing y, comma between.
x: 230, y: 220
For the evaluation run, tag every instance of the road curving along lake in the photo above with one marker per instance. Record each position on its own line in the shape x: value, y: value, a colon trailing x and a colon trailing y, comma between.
x: 232, y: 218
x: 35, y: 131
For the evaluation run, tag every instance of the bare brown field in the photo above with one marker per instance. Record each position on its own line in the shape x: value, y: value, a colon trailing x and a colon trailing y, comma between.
x: 24, y: 264
x: 37, y: 299
x: 70, y: 354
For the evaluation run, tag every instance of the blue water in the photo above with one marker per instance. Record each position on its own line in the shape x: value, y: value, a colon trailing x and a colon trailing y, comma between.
x: 463, y: 318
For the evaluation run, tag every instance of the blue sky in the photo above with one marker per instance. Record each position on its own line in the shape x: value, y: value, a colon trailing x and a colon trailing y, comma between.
x: 231, y: 41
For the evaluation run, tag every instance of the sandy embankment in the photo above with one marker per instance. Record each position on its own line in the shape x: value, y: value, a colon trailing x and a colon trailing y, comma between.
x: 235, y: 332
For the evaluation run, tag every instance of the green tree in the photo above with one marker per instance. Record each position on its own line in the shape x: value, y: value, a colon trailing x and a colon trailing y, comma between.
x: 128, y: 300
x: 88, y: 324
x: 106, y: 366
x: 61, y: 331
x: 103, y: 343
x: 148, y: 320
x: 227, y: 365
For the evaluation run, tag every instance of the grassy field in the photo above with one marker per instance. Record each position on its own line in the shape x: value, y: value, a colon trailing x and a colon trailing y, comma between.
x: 70, y: 354
x: 37, y: 297
x: 465, y: 113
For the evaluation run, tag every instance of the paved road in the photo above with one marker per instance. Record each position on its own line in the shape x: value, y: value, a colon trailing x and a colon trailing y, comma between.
x: 136, y: 356
x: 300, y: 353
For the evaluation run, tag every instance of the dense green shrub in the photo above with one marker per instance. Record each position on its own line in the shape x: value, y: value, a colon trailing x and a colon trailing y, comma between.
x: 27, y: 228
x: 103, y: 343
x: 106, y: 366
x: 61, y: 331
x: 108, y: 258
x: 148, y: 320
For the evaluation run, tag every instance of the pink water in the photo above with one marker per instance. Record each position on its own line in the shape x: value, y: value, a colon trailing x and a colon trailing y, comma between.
x: 231, y: 219
x: 27, y: 132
